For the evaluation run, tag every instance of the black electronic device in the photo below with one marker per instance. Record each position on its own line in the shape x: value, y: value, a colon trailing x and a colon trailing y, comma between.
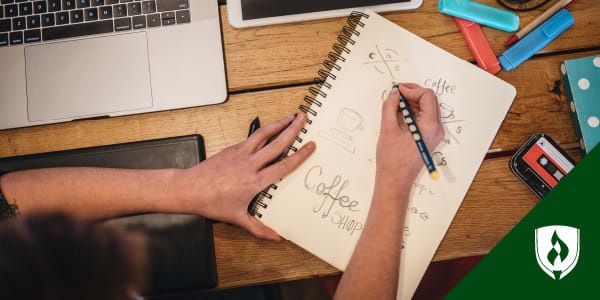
x: 540, y: 164
x: 247, y: 13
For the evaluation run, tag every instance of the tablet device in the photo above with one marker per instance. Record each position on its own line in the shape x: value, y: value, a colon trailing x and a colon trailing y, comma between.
x: 248, y: 13
x: 183, y: 259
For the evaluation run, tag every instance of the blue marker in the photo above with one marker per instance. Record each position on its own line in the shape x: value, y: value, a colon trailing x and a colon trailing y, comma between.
x: 536, y: 40
x: 481, y: 13
x: 414, y: 130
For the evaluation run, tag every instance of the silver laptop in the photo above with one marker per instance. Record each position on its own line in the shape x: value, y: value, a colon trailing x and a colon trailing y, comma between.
x: 63, y: 60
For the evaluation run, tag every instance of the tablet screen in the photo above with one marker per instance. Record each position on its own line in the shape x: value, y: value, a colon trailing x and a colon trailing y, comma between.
x: 257, y: 9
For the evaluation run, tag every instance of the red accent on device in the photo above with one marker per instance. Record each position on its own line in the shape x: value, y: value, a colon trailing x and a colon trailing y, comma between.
x: 479, y: 45
x: 531, y: 158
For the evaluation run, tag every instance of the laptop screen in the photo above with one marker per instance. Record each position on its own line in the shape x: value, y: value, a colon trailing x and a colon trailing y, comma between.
x: 257, y: 9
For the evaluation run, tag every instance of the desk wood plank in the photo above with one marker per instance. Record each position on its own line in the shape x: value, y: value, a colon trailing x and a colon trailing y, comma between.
x: 221, y: 125
x: 292, y: 53
x: 245, y: 260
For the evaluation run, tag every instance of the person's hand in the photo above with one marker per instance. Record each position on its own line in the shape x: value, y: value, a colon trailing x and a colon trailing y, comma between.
x: 222, y: 187
x: 398, y: 158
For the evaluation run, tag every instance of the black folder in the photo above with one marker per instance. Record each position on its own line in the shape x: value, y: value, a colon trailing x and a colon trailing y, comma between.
x: 183, y: 257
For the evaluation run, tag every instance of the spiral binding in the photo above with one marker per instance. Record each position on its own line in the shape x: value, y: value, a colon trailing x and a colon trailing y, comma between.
x: 331, y: 64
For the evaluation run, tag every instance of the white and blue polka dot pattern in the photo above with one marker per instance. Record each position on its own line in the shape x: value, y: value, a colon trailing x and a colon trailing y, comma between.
x: 582, y: 84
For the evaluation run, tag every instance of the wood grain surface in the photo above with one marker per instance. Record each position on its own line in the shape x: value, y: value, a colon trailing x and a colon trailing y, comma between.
x: 268, y: 72
x: 292, y: 54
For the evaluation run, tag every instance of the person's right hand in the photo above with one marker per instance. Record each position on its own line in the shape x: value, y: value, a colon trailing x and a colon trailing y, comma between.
x: 398, y: 158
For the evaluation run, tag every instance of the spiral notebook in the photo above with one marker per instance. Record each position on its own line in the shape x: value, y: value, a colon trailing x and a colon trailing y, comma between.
x: 323, y: 205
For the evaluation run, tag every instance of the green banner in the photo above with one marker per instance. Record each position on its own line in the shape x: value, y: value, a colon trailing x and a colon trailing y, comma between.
x: 553, y: 252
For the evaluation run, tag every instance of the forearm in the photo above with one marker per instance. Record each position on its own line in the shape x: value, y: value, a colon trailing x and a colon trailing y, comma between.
x: 373, y: 270
x: 91, y: 193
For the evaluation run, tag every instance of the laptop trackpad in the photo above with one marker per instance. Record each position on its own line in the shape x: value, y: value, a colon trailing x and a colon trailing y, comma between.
x: 90, y: 77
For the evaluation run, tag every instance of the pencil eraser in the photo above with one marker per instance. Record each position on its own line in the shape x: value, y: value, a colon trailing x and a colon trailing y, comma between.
x: 481, y: 13
x: 479, y: 45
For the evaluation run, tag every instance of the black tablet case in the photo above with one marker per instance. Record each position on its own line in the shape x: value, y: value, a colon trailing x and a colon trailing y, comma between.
x: 186, y: 260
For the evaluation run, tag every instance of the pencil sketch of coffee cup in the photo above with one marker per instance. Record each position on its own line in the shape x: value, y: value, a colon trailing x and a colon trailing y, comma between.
x: 350, y: 120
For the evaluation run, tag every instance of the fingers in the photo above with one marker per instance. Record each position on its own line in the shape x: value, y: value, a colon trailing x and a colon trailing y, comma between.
x: 260, y: 137
x: 272, y: 150
x: 426, y: 109
x: 280, y: 169
x: 389, y: 113
x: 424, y: 100
x: 259, y: 230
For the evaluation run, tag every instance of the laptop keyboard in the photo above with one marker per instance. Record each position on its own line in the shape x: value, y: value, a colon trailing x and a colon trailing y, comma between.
x: 32, y: 21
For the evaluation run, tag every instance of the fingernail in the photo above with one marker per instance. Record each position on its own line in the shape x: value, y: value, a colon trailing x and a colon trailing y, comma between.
x: 290, y: 117
x: 394, y: 91
x: 310, y: 146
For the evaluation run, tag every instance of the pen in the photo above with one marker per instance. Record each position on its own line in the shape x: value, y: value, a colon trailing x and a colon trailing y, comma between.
x: 414, y: 130
x: 537, y: 21
x: 254, y: 126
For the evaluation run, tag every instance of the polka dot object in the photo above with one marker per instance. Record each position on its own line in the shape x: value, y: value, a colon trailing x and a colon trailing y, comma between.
x: 597, y: 62
x: 583, y: 84
x: 593, y: 121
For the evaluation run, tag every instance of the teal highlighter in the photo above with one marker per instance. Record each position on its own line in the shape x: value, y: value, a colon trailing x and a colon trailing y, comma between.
x: 481, y: 13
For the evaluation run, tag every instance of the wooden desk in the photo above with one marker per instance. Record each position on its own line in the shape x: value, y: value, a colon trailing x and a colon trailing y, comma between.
x: 268, y: 71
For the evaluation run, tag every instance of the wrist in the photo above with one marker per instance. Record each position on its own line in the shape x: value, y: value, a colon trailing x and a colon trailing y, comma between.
x: 400, y: 176
x: 185, y: 196
x: 165, y: 191
x: 394, y: 187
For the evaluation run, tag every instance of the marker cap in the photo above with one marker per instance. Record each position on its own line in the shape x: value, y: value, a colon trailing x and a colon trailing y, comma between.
x: 481, y: 13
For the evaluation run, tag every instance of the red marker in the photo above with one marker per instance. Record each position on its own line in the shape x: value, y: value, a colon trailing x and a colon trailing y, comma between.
x: 479, y: 45
x: 539, y: 20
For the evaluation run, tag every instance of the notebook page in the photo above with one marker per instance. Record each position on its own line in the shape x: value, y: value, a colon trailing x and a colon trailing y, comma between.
x: 323, y: 205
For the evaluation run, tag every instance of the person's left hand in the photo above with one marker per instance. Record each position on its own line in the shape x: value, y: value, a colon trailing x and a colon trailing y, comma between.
x: 222, y: 187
